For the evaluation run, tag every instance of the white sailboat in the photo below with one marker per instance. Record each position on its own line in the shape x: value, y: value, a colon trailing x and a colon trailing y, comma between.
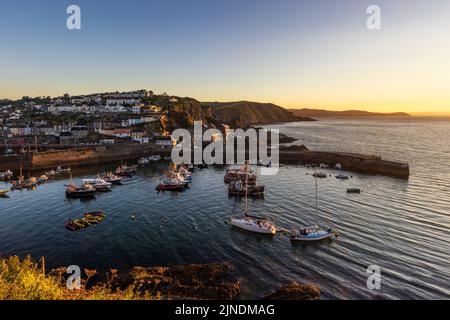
x: 313, y: 233
x: 252, y: 223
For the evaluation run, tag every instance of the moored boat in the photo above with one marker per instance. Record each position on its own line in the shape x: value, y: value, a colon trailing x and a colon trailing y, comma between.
x: 112, y: 178
x: 256, y: 225
x: 154, y: 158
x: 342, y: 177
x: 354, y: 190
x: 237, y: 188
x: 98, y: 183
x: 6, y: 175
x: 320, y: 175
x: 170, y: 185
x: 75, y: 191
x: 311, y: 234
x: 314, y: 233
x: 143, y: 161
x: 60, y: 169
x: 240, y: 174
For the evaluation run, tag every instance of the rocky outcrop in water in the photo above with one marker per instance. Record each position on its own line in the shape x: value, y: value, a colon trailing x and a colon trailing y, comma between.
x: 295, y: 291
x: 194, y: 281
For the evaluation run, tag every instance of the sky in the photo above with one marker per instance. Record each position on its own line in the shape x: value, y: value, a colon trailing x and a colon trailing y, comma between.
x: 315, y: 53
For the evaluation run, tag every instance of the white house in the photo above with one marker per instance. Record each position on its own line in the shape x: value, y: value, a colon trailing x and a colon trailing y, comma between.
x: 122, y: 101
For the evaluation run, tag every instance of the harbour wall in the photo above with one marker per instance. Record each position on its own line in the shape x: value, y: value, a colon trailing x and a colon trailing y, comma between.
x: 349, y: 161
x: 80, y: 156
x: 102, y: 154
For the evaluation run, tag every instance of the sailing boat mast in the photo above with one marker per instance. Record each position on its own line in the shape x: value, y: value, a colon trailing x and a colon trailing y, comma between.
x: 246, y: 188
x: 317, y: 210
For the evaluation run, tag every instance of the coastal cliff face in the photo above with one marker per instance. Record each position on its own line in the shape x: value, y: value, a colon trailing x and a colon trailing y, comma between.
x: 184, y: 113
x: 244, y: 114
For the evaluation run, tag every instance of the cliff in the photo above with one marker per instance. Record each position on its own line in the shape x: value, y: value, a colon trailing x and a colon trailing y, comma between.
x: 305, y: 112
x: 244, y: 114
x: 184, y: 112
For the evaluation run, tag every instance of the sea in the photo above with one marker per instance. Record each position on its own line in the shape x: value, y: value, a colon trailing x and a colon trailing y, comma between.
x: 400, y: 227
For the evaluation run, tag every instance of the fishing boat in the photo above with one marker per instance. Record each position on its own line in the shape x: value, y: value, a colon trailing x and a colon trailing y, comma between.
x: 237, y: 188
x: 143, y: 161
x: 98, y: 183
x: 313, y: 233
x: 253, y: 223
x: 112, y: 178
x: 342, y: 177
x: 86, y: 190
x: 171, y: 185
x: 240, y: 174
x: 126, y: 171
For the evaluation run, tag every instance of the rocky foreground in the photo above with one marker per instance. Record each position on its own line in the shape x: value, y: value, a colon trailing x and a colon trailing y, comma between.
x: 216, y: 281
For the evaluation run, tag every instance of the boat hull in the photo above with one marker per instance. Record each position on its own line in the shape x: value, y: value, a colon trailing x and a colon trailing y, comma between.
x: 312, y: 237
x: 250, y: 227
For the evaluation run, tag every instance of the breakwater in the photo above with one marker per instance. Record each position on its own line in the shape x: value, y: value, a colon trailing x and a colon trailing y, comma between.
x: 349, y: 161
x: 79, y: 156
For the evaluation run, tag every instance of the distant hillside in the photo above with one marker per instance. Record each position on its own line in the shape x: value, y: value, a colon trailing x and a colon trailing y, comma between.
x: 348, y: 113
x: 247, y: 113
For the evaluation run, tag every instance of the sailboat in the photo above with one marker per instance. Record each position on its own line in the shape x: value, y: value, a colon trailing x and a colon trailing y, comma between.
x: 313, y: 233
x: 253, y: 223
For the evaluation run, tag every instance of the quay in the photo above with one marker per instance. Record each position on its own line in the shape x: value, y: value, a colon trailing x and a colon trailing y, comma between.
x: 368, y: 164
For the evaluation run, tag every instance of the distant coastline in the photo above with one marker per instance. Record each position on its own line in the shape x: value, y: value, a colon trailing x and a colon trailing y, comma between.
x: 305, y: 112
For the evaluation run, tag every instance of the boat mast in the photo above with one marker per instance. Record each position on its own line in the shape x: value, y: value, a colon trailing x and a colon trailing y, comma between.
x: 246, y: 188
x: 317, y: 210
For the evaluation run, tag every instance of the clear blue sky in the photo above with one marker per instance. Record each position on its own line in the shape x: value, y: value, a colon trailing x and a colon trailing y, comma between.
x: 316, y: 53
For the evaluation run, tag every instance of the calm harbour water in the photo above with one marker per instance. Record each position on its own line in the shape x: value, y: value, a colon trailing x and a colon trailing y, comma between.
x: 401, y: 225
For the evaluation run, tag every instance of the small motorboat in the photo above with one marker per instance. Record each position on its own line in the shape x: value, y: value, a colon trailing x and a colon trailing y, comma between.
x: 338, y: 166
x: 342, y: 177
x: 354, y: 190
x: 60, y: 169
x: 311, y: 234
x: 320, y: 175
x: 143, y: 161
x: 3, y: 192
x: 324, y: 166
x: 43, y: 178
x: 51, y: 173
x: 154, y: 158
x: 6, y: 175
